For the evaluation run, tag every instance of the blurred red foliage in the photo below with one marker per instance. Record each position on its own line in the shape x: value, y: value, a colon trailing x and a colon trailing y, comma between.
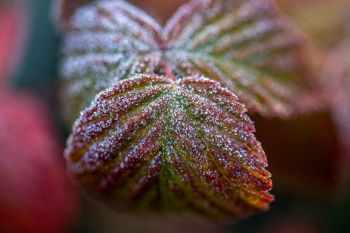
x: 322, y: 20
x: 35, y: 194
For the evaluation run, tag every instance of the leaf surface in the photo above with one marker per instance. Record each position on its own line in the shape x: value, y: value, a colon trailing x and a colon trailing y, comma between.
x: 150, y: 142
x: 246, y: 45
x: 106, y: 41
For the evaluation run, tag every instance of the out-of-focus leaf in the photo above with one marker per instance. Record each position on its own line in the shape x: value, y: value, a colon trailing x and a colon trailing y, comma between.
x: 35, y: 196
x: 150, y: 142
x: 309, y: 16
x: 309, y: 160
x: 246, y: 45
x: 107, y: 40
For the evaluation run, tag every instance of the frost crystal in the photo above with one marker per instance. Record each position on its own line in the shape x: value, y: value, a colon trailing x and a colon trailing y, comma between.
x: 244, y: 44
x: 150, y: 142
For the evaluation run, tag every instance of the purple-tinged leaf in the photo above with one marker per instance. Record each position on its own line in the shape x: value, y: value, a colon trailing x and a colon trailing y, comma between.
x: 152, y: 143
x: 106, y: 40
x: 244, y: 44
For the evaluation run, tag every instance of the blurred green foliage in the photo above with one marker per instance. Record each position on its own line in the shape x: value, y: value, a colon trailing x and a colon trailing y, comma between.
x: 39, y: 63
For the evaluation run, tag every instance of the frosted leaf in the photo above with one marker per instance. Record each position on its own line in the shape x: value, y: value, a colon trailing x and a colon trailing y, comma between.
x: 149, y: 142
x: 244, y: 44
x: 105, y: 41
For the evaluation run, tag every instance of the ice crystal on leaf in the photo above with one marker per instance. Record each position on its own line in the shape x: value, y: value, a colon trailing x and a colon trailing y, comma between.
x: 152, y: 142
x: 106, y: 41
x: 159, y: 135
x: 246, y: 45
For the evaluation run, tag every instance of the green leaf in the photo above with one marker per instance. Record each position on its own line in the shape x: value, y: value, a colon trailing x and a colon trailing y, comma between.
x: 152, y: 143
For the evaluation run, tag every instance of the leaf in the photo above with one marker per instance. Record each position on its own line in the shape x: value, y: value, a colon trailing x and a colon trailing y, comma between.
x: 309, y: 16
x: 36, y: 196
x: 245, y: 45
x: 107, y: 40
x: 152, y: 143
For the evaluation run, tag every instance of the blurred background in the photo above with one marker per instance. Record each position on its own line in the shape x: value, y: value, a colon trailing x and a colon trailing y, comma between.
x: 308, y: 156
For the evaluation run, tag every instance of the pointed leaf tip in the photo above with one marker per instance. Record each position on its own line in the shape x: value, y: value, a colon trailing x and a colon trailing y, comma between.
x: 152, y: 143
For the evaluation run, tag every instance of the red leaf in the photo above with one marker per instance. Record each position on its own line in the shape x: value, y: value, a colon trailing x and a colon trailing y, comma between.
x: 35, y: 195
x: 149, y: 142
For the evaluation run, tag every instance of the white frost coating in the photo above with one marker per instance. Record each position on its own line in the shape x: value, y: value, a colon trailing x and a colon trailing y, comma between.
x: 137, y: 12
x: 112, y: 42
x: 107, y: 41
x: 89, y: 64
x: 245, y: 45
x: 152, y: 132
